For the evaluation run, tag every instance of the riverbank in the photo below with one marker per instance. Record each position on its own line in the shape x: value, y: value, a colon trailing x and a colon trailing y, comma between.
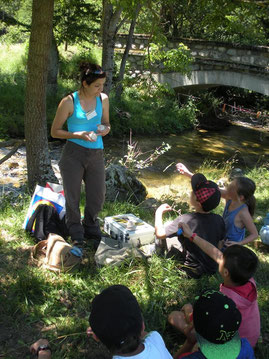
x: 37, y: 303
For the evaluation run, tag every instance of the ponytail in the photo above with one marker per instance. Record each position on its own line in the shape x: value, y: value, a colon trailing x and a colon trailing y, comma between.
x: 251, y: 203
x: 246, y: 188
x: 90, y: 72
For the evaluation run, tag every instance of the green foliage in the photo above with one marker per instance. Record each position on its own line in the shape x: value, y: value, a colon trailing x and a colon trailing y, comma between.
x: 179, y: 59
x: 16, y: 21
x: 12, y: 75
x: 150, y: 113
x: 77, y: 21
x: 238, y: 22
x: 207, y: 103
x: 243, y: 22
x: 12, y: 85
x: 70, y: 61
x: 14, y: 35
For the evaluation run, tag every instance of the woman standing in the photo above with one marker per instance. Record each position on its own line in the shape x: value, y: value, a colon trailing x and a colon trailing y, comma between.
x: 82, y: 158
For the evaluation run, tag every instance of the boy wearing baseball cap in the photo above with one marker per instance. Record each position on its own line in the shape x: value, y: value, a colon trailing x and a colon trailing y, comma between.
x: 205, y: 197
x: 116, y: 320
x: 216, y: 321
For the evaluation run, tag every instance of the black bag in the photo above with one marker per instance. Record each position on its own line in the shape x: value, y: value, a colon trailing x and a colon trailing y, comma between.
x: 46, y: 220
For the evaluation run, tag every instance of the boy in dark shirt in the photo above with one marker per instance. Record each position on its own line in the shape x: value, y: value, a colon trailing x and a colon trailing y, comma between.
x: 204, y: 198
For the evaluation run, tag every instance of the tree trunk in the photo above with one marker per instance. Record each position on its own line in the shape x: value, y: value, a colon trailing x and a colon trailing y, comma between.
x: 110, y: 20
x: 38, y: 161
x: 53, y: 68
x: 119, y: 87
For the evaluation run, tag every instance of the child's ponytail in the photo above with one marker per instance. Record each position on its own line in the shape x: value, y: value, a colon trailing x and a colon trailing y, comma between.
x: 251, y: 203
x: 246, y: 188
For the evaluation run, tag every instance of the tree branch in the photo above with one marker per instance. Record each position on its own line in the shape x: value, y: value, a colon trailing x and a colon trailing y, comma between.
x: 11, y: 153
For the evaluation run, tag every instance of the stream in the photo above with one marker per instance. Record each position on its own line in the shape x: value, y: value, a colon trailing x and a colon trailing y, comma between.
x: 247, y: 147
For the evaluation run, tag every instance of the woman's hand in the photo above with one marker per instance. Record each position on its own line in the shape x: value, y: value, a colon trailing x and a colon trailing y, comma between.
x: 86, y: 136
x: 104, y: 132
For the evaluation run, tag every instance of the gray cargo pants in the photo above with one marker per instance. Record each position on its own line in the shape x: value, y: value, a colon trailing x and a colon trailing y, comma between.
x: 78, y: 163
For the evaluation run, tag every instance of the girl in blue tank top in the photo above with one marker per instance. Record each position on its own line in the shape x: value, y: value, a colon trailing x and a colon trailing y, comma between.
x: 239, y: 210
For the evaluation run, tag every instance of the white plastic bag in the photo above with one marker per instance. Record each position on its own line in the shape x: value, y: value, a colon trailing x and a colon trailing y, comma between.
x: 47, y: 196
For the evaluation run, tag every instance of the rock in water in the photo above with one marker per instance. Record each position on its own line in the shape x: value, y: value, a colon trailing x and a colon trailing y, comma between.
x: 122, y: 185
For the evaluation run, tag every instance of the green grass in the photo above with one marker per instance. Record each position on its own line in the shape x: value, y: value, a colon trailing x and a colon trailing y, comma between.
x: 37, y: 303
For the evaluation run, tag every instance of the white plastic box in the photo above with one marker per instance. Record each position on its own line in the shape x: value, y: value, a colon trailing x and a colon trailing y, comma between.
x: 129, y: 231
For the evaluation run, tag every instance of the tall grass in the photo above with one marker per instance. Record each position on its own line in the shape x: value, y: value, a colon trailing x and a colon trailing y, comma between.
x: 35, y: 302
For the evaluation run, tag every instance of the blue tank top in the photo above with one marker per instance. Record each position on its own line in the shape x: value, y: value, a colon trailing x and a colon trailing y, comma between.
x: 78, y: 122
x: 233, y: 233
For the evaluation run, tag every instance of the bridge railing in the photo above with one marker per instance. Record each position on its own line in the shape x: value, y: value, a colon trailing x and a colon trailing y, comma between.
x: 207, y: 54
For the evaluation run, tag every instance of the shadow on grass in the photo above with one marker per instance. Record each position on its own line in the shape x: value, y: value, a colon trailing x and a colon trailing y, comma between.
x: 21, y: 291
x: 36, y: 303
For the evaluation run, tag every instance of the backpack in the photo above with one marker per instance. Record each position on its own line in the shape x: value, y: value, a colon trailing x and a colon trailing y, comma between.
x: 54, y: 254
x: 46, y: 220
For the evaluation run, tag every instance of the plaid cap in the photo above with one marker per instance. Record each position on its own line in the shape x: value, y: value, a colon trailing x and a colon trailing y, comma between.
x: 207, y: 192
x: 216, y: 320
x: 115, y: 315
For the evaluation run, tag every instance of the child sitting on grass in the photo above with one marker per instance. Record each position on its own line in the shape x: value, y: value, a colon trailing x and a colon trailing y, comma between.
x: 116, y: 320
x: 237, y: 265
x: 239, y: 209
x: 204, y: 198
x: 215, y: 321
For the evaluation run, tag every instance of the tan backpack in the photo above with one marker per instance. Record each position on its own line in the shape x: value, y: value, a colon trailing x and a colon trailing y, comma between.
x: 55, y: 254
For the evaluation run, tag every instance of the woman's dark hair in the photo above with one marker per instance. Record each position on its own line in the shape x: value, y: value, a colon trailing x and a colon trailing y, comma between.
x: 90, y: 72
x: 246, y: 187
x: 241, y: 263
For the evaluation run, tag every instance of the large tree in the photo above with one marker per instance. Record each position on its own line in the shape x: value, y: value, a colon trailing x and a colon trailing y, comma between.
x: 38, y: 161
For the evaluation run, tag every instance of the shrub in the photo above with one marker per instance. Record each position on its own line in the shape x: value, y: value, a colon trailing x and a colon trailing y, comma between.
x: 69, y: 62
x: 150, y: 114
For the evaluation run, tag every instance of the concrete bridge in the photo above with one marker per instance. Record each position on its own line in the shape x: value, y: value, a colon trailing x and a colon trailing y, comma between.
x: 215, y: 64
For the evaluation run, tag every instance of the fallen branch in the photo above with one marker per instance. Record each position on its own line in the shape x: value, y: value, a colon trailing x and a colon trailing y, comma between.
x: 11, y: 153
x: 8, y: 143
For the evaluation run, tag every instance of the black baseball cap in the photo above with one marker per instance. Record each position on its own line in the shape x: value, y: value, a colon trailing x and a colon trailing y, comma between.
x: 207, y: 192
x: 115, y: 316
x: 216, y: 321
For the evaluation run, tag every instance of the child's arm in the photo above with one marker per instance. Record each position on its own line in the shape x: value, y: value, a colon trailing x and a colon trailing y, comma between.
x: 182, y: 169
x: 248, y: 223
x: 188, y: 346
x: 159, y: 227
x: 206, y: 247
